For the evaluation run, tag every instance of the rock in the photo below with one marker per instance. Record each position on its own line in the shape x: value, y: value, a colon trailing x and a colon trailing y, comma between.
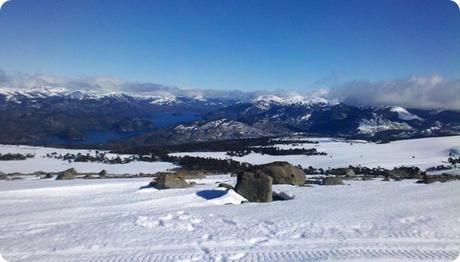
x: 397, y: 178
x: 281, y: 196
x: 254, y: 187
x: 103, y: 173
x: 225, y: 185
x: 282, y: 173
x: 343, y: 172
x: 428, y: 180
x: 47, y: 176
x: 406, y: 172
x: 387, y: 178
x: 438, y: 178
x: 4, y: 176
x: 332, y: 181
x: 168, y: 181
x: 70, y: 173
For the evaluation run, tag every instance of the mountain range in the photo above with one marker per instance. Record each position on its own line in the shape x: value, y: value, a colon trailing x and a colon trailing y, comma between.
x: 55, y: 116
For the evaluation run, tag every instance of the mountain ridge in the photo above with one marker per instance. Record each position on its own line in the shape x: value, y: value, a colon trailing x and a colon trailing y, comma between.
x: 42, y: 115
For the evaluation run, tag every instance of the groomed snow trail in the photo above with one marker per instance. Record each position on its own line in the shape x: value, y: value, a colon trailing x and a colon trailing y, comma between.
x: 112, y: 220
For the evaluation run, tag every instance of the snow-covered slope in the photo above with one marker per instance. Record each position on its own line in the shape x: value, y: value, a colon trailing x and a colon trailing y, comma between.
x: 221, y: 129
x: 40, y: 163
x: 403, y: 114
x: 424, y: 153
x: 378, y: 124
x: 112, y: 220
x: 266, y: 101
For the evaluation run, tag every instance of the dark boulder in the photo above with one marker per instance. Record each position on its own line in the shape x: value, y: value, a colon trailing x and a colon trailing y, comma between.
x: 254, y: 187
x: 70, y: 173
x: 281, y: 196
x: 103, y: 173
x: 47, y: 176
x: 282, y: 173
x: 4, y: 176
x: 225, y: 185
x: 168, y: 181
x: 332, y: 181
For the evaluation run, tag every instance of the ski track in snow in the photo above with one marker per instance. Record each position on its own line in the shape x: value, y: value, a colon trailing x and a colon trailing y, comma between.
x: 112, y: 220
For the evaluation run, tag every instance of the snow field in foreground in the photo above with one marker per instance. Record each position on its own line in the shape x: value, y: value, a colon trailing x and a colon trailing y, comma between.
x: 112, y: 220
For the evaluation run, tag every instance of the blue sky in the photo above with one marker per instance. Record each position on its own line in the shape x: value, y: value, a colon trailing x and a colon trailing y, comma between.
x: 237, y: 44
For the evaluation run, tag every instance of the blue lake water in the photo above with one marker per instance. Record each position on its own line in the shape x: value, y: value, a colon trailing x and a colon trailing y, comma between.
x: 165, y: 119
x: 160, y: 120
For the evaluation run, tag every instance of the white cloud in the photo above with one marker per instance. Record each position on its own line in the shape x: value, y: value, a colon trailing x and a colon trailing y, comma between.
x: 415, y: 92
x: 2, y: 2
x: 107, y: 85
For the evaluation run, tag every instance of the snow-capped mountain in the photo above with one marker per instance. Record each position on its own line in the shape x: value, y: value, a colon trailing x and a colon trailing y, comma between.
x: 267, y: 101
x: 16, y: 95
x: 51, y: 114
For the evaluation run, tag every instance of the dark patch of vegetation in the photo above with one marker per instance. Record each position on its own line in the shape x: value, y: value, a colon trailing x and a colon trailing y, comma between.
x: 454, y: 161
x: 10, y: 156
x: 276, y: 151
x: 211, y: 164
x: 438, y: 168
x: 101, y: 157
x: 314, y: 171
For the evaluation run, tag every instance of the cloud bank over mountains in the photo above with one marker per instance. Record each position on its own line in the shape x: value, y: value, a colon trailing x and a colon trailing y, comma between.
x: 426, y: 92
x: 416, y: 92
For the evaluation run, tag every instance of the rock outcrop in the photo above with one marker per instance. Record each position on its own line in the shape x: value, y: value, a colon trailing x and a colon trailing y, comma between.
x: 254, y: 187
x: 70, y: 173
x: 227, y: 186
x: 406, y: 173
x: 103, y: 173
x: 282, y: 173
x: 168, y: 181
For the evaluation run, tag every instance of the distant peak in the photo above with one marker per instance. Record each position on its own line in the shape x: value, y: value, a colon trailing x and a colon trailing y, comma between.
x: 296, y: 99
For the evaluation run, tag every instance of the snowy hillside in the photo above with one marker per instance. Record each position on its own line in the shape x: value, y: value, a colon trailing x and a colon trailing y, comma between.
x: 403, y: 114
x: 266, y: 101
x: 41, y: 163
x: 423, y: 153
